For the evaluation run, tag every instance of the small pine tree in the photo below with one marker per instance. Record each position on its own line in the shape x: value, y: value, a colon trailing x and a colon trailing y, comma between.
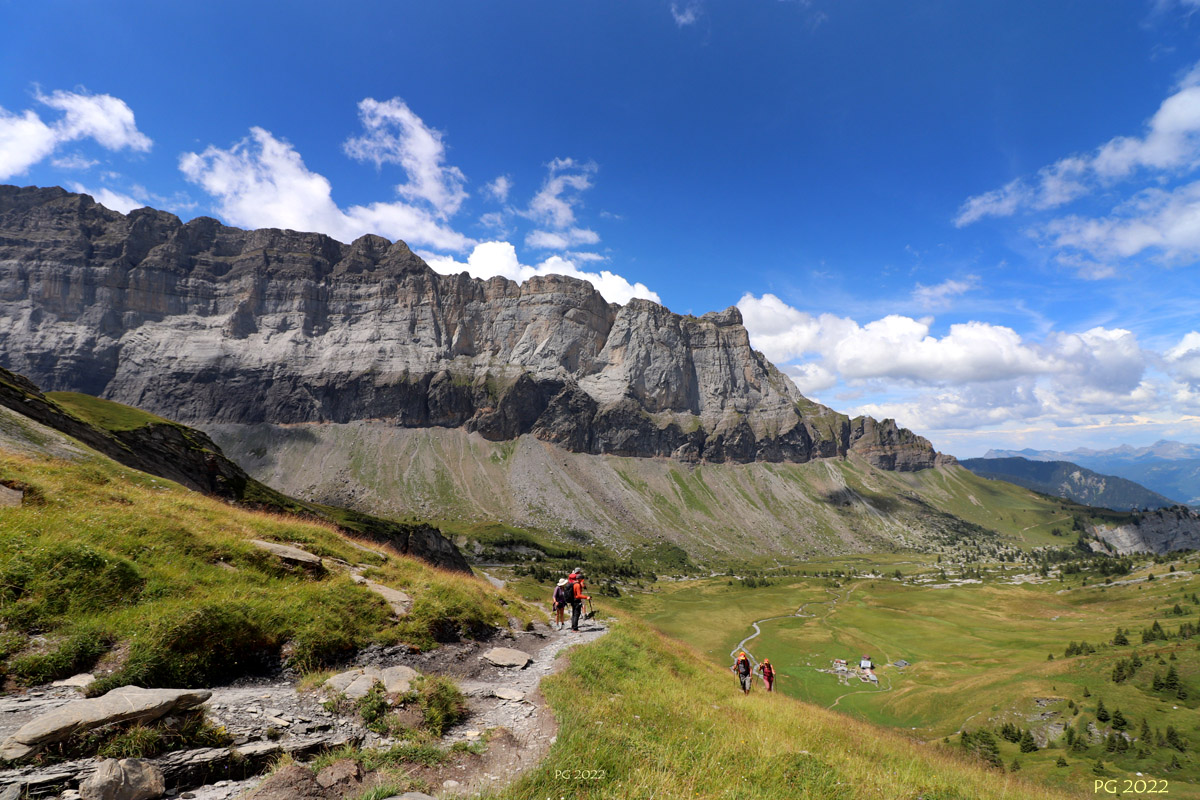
x: 1175, y: 765
x: 1120, y: 640
x: 1144, y: 733
x: 1086, y: 693
x: 1015, y: 766
x: 1101, y: 712
x: 1119, y: 722
x: 1062, y: 762
x: 1110, y: 742
x: 1098, y: 768
x: 1171, y: 682
x: 1027, y: 744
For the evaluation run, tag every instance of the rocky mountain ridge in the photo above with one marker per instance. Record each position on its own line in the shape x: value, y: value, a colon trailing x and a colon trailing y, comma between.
x: 209, y: 324
x: 1065, y: 479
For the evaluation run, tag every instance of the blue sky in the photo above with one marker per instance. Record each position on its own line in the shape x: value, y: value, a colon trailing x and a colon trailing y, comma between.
x: 982, y: 219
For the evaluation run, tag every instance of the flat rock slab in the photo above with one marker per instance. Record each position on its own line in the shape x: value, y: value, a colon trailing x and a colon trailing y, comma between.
x: 504, y: 693
x: 340, y: 682
x: 398, y: 679
x: 286, y: 552
x: 80, y: 681
x: 507, y: 657
x: 400, y: 602
x: 362, y: 685
x: 10, y: 497
x: 125, y: 704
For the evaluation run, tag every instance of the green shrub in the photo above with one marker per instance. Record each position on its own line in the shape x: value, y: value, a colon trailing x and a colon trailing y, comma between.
x: 373, y: 708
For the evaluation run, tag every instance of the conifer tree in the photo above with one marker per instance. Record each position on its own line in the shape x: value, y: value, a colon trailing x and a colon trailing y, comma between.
x: 1015, y: 766
x: 1102, y: 714
x: 1027, y: 744
x: 1062, y: 762
x: 1119, y: 722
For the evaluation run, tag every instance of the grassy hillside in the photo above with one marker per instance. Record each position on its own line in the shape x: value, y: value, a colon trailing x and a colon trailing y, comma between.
x: 717, y: 512
x: 979, y: 657
x: 645, y: 716
x: 103, y: 565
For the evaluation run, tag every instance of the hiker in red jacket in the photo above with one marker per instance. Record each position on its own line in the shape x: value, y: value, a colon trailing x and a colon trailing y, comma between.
x: 577, y: 598
x: 768, y: 674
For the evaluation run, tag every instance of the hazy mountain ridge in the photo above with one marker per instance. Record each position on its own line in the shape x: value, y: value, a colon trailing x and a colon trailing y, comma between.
x: 1169, y: 468
x: 1065, y: 479
x: 204, y: 323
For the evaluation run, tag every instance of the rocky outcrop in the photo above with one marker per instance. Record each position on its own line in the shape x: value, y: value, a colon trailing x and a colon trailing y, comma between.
x: 1163, y: 530
x: 128, y: 703
x: 209, y: 324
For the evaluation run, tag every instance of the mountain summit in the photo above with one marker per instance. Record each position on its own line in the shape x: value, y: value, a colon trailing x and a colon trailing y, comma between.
x: 206, y: 323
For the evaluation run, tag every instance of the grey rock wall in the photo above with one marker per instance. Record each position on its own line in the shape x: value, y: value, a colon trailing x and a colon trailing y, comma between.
x: 209, y: 324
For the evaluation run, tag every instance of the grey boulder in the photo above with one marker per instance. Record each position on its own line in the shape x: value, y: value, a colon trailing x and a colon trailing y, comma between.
x: 127, y: 779
x: 507, y: 657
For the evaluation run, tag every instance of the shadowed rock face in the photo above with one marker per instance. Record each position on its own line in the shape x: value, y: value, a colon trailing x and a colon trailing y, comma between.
x: 205, y: 323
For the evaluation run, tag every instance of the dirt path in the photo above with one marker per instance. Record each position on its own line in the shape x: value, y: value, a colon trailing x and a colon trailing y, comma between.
x: 505, y: 706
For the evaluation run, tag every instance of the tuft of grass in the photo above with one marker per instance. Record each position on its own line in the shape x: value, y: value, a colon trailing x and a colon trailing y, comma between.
x: 373, y: 708
x: 73, y: 655
x: 137, y: 740
x: 442, y: 704
x: 194, y: 647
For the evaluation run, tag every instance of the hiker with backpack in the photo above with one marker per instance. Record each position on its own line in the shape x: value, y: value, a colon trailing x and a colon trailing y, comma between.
x: 559, y: 600
x: 741, y: 668
x: 577, y: 597
x: 768, y: 674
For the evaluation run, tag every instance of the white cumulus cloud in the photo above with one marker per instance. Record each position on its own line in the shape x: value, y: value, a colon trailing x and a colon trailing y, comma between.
x: 262, y: 181
x: 26, y: 139
x: 974, y: 375
x: 1168, y: 147
x: 499, y: 188
x: 393, y: 134
x: 492, y: 259
x: 552, y: 209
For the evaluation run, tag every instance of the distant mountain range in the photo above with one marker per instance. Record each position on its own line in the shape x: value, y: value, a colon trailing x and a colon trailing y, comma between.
x: 1169, y: 468
x: 1069, y: 480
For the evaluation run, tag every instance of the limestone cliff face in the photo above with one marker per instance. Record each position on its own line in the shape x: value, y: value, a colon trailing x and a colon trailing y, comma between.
x: 207, y: 324
x: 1163, y: 530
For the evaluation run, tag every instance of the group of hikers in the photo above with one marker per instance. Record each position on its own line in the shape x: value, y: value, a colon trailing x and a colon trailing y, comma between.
x: 745, y: 672
x: 569, y: 591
